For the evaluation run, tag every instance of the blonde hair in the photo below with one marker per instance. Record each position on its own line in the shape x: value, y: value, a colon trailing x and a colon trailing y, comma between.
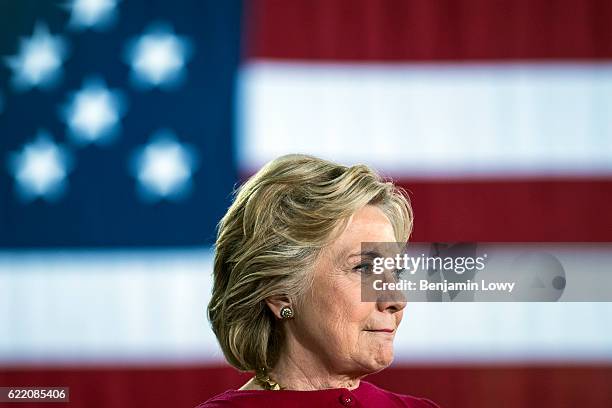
x: 270, y: 237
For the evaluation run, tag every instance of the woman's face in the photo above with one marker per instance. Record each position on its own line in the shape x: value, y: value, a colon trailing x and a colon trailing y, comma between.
x: 350, y: 336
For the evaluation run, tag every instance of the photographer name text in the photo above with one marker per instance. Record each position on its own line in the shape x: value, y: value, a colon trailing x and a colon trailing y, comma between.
x: 444, y: 286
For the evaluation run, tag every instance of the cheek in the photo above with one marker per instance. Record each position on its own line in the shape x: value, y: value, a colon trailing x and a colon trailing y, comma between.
x: 357, y: 314
x: 328, y: 315
x: 357, y: 319
x: 350, y: 317
x: 347, y: 317
x: 337, y: 313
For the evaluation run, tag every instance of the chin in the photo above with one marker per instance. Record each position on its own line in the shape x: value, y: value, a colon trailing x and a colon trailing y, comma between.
x: 381, y: 361
x: 376, y: 355
x: 386, y: 361
x: 379, y: 366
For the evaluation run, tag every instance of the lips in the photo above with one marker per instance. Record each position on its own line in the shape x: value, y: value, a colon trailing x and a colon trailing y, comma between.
x: 381, y: 330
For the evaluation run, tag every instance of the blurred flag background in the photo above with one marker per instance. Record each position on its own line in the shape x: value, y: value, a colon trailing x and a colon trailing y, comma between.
x: 125, y: 125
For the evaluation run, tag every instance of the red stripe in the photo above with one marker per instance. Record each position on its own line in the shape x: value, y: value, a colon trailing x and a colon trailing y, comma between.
x: 426, y: 30
x: 453, y: 386
x: 504, y: 386
x: 512, y: 210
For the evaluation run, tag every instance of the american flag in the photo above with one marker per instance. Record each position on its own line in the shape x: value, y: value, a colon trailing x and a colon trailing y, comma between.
x: 116, y: 122
x: 125, y: 125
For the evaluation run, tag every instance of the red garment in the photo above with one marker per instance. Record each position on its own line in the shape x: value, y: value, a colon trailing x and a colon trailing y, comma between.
x: 366, y: 395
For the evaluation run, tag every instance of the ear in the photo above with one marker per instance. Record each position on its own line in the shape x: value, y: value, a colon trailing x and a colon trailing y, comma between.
x: 276, y: 303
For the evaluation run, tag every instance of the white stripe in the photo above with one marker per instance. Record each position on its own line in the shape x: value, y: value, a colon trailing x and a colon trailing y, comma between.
x: 106, y: 305
x: 431, y: 120
x: 505, y: 332
x: 149, y: 307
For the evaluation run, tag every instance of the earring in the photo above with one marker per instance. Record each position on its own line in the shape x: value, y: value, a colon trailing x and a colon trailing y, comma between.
x: 286, y: 312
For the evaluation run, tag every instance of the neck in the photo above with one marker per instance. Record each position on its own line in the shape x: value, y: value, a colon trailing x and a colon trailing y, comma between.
x: 301, y: 369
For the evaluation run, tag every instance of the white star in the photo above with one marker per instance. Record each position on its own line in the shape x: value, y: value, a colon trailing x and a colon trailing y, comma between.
x: 92, y: 13
x: 158, y: 58
x: 40, y: 169
x: 39, y: 61
x: 93, y: 113
x: 163, y: 167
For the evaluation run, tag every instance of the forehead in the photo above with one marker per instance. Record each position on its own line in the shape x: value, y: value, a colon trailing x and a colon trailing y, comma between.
x: 369, y: 224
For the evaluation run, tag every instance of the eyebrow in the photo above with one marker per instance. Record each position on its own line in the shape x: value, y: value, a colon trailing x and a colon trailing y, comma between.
x: 367, y: 254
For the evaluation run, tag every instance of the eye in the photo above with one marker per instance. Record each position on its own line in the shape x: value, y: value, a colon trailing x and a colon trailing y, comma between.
x: 399, y: 273
x: 365, y: 268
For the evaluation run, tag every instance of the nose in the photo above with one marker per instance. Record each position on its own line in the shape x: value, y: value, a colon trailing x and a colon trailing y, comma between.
x: 391, y: 302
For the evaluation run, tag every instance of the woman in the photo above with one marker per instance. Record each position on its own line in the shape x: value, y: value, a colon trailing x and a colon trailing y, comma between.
x: 286, y: 302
